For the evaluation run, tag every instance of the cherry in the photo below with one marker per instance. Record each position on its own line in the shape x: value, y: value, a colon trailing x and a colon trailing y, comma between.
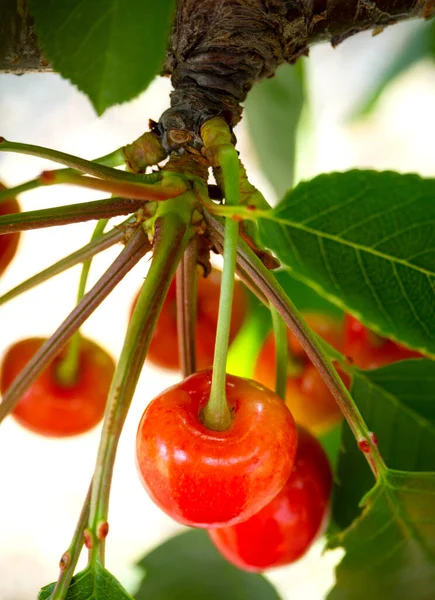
x: 163, y: 350
x: 54, y: 409
x: 8, y: 242
x: 206, y: 478
x: 368, y: 350
x: 307, y: 396
x: 283, y: 530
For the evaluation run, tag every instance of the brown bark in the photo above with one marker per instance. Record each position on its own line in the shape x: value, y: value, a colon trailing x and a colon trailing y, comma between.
x: 19, y: 51
x: 219, y: 48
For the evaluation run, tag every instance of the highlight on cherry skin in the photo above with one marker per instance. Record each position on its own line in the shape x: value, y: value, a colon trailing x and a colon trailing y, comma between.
x: 163, y: 349
x: 368, y: 350
x: 8, y: 242
x: 285, y: 529
x: 206, y: 478
x: 50, y: 407
x: 307, y: 395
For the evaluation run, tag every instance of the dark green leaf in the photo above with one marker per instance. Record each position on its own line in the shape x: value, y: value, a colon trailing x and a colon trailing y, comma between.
x: 365, y: 241
x: 398, y: 404
x: 420, y: 45
x: 188, y: 567
x: 91, y: 584
x: 109, y: 49
x: 272, y: 110
x: 390, y: 550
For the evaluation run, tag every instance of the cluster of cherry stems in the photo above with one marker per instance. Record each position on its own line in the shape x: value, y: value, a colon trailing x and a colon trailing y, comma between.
x: 238, y: 466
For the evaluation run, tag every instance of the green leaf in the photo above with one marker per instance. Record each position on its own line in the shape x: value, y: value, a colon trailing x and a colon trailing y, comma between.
x: 390, y: 550
x: 94, y: 583
x: 420, y: 45
x: 398, y: 404
x: 365, y: 241
x: 272, y: 111
x: 111, y: 50
x: 188, y: 567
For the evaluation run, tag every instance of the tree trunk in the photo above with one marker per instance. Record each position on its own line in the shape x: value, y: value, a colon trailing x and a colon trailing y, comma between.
x: 19, y: 51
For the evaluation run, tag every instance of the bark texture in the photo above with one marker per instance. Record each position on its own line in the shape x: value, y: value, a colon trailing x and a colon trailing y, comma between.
x: 220, y: 48
x: 19, y: 51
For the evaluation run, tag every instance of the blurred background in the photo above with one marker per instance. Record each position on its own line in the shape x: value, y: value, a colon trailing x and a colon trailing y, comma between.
x: 367, y: 104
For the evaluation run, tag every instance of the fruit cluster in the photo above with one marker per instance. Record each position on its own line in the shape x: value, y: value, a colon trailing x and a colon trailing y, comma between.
x: 262, y: 485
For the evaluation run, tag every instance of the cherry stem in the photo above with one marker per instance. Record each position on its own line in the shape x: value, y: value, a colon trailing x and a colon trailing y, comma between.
x: 281, y: 352
x: 216, y: 413
x: 72, y: 554
x: 96, y: 168
x: 159, y: 186
x: 114, y: 159
x: 106, y: 241
x: 135, y: 249
x: 276, y: 296
x: 67, y: 369
x: 66, y: 215
x: 186, y: 309
x: 172, y: 233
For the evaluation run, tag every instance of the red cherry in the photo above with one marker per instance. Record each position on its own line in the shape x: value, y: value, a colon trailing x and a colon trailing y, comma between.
x: 163, y: 350
x: 9, y: 241
x: 307, y: 396
x: 205, y: 478
x: 368, y: 350
x: 51, y: 408
x: 282, y: 531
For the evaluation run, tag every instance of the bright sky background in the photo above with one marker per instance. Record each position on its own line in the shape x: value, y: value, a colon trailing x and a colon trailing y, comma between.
x: 43, y: 482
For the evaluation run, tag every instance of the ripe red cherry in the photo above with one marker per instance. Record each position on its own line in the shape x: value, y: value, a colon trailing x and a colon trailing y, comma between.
x: 282, y: 531
x: 9, y: 241
x: 307, y: 396
x: 51, y: 408
x: 163, y: 350
x: 206, y: 478
x: 368, y: 350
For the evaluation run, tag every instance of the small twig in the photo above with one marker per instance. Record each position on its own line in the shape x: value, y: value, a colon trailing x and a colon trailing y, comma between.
x: 75, y: 163
x: 135, y: 249
x: 160, y: 186
x: 65, y: 215
x: 186, y: 309
x: 113, y: 159
x: 281, y: 352
x: 81, y: 255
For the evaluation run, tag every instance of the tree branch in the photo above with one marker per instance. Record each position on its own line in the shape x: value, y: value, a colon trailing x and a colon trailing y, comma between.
x: 19, y: 50
x: 294, y: 27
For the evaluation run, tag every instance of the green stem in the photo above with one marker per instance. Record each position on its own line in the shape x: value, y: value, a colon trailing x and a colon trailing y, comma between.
x: 172, y: 233
x: 106, y: 241
x: 135, y: 249
x: 66, y: 215
x: 71, y: 556
x: 262, y: 278
x: 161, y: 186
x: 114, y: 159
x: 186, y: 309
x: 216, y: 413
x: 75, y: 163
x: 68, y: 368
x: 281, y: 352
